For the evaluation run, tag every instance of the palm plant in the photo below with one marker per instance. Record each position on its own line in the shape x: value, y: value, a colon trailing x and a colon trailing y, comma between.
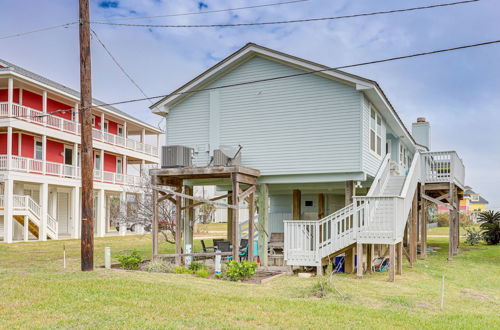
x: 490, y: 226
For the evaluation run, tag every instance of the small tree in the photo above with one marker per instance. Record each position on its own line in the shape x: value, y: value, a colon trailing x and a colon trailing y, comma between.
x: 207, y: 212
x: 490, y: 226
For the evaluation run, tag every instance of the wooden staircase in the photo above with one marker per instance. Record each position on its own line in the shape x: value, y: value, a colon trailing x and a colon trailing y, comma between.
x: 32, y: 227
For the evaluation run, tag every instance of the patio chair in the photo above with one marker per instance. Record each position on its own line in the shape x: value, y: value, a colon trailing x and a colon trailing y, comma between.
x: 207, y: 248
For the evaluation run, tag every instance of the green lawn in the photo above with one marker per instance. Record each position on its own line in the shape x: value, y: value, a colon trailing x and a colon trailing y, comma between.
x: 446, y: 230
x: 36, y: 292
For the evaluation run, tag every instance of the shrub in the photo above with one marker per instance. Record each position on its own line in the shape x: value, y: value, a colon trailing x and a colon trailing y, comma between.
x: 195, y: 266
x: 240, y: 271
x: 443, y: 220
x: 181, y: 270
x: 159, y: 267
x: 490, y: 226
x: 472, y: 236
x: 204, y: 273
x: 131, y: 261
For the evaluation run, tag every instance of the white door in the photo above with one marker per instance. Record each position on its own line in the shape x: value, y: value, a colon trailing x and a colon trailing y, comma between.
x: 63, y: 213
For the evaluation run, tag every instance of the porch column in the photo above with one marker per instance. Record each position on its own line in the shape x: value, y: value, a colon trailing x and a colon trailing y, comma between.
x: 399, y: 258
x: 143, y: 135
x: 102, y: 125
x: 392, y: 261
x: 10, y: 96
x: 251, y: 219
x: 8, y: 220
x: 142, y: 167
x: 236, y: 218
x: 369, y: 258
x: 102, y: 163
x: 359, y: 253
x: 262, y: 208
x: 44, y: 153
x: 76, y: 115
x: 158, y: 141
x: 350, y: 191
x: 296, y: 204
x: 188, y: 219
x: 101, y: 213
x: 124, y: 165
x: 423, y: 228
x: 413, y: 230
x: 44, y: 203
x: 25, y: 228
x: 75, y: 211
x: 44, y: 107
x: 9, y: 147
x: 125, y: 134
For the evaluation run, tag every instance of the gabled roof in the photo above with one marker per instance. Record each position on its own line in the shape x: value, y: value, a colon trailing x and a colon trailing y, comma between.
x: 367, y: 86
x: 9, y: 67
x: 469, y: 192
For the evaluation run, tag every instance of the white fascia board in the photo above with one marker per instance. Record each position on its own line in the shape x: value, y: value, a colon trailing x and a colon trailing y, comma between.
x: 302, y: 65
x: 72, y: 97
x: 161, y: 110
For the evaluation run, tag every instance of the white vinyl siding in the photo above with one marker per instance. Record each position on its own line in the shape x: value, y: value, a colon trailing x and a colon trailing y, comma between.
x: 301, y: 125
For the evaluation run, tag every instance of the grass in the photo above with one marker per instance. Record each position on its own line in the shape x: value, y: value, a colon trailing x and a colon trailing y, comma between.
x: 38, y: 293
x: 446, y: 230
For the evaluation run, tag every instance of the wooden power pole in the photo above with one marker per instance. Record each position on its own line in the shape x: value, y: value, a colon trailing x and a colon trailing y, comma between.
x: 87, y: 245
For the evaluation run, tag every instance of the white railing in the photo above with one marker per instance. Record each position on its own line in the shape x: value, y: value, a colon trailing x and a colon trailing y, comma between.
x: 27, y: 204
x: 382, y: 176
x: 29, y: 165
x: 52, y: 227
x: 39, y: 117
x: 443, y: 166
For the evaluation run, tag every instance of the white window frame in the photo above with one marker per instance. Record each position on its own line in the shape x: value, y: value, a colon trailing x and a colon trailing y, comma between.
x: 93, y: 120
x: 106, y: 126
x: 375, y: 126
x: 119, y: 127
x: 97, y: 155
x: 474, y: 198
x: 120, y: 161
x: 41, y: 146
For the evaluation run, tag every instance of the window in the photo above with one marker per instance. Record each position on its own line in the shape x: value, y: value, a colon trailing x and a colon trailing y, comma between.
x: 375, y: 132
x: 119, y: 167
x: 97, y: 161
x: 120, y: 130
x: 38, y: 150
x: 93, y: 121
x: 474, y: 198
x: 106, y: 125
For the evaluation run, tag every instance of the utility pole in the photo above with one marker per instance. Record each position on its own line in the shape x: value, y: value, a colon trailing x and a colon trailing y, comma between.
x: 87, y: 244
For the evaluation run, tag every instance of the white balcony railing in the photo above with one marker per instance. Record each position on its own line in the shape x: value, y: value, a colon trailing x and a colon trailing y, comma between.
x: 34, y: 166
x: 38, y: 117
x: 442, y: 166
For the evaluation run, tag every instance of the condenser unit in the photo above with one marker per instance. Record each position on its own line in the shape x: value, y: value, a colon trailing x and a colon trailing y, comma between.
x: 227, y: 156
x: 176, y: 156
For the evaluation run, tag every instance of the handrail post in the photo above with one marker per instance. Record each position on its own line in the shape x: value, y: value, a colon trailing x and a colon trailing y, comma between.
x: 355, y: 217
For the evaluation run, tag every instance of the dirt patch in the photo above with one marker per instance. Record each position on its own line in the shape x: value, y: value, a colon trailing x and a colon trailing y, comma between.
x: 476, y: 295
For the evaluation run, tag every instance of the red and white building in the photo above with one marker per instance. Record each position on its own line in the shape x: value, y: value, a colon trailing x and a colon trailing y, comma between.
x: 40, y: 157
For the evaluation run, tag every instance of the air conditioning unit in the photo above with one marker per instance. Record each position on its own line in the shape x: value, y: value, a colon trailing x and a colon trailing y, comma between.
x: 176, y: 156
x: 227, y: 156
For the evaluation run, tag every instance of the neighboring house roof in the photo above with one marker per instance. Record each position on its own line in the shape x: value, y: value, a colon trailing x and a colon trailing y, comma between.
x: 369, y: 87
x: 469, y: 192
x: 7, y: 66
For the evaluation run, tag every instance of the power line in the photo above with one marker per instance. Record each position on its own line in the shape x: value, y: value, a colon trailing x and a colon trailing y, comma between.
x: 207, y: 11
x: 117, y: 63
x: 38, y: 30
x: 311, y: 72
x: 286, y: 21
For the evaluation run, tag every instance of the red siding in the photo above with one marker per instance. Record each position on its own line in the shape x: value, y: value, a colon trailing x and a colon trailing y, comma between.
x: 4, y: 95
x: 112, y: 127
x: 55, y: 151
x: 97, y: 122
x: 54, y: 105
x: 32, y: 100
x: 109, y: 163
x: 28, y: 146
x: 15, y: 144
x: 3, y: 144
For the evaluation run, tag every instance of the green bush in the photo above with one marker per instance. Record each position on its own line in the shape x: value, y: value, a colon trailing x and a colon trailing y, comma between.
x: 240, y: 271
x: 443, y: 220
x: 182, y: 270
x: 131, y: 261
x: 490, y: 226
x: 195, y: 266
x: 472, y: 236
x: 159, y: 267
x: 204, y: 273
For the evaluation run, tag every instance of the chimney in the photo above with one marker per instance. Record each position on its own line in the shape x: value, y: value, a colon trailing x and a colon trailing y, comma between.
x: 421, y: 131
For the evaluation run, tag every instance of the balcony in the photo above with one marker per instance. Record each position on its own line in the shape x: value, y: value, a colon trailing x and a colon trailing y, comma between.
x: 443, y: 166
x: 38, y: 117
x: 35, y: 166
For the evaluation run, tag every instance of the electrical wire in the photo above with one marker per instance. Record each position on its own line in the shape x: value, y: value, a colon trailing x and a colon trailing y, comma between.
x: 206, y: 11
x: 311, y: 72
x: 38, y: 30
x: 118, y: 64
x: 286, y: 21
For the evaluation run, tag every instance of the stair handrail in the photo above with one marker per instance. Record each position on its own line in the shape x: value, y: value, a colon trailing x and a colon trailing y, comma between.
x: 381, y: 176
x: 409, y: 189
x: 52, y: 225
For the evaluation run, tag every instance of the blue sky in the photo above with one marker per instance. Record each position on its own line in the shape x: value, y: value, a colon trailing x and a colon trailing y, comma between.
x: 457, y: 92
